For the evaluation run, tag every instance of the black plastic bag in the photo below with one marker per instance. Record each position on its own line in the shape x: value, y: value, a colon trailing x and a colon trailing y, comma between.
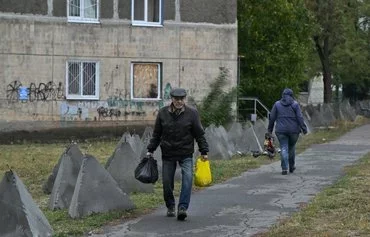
x: 147, y: 170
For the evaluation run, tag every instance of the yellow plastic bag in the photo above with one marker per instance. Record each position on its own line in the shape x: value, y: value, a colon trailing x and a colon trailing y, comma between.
x: 202, y: 174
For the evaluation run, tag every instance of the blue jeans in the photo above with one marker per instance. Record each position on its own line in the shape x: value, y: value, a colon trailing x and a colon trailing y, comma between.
x: 287, y: 145
x: 168, y: 180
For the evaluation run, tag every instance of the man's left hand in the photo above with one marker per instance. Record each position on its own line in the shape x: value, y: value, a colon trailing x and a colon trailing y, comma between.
x: 204, y: 157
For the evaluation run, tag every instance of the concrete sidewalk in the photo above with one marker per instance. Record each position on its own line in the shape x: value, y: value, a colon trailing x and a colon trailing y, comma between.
x: 252, y: 202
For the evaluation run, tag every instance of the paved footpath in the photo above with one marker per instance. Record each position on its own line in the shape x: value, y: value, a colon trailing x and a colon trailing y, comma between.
x: 252, y: 202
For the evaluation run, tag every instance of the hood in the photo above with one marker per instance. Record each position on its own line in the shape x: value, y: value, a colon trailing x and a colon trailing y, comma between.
x: 287, y: 97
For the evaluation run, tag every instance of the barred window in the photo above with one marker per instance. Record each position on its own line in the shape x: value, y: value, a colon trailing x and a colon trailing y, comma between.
x: 82, y: 80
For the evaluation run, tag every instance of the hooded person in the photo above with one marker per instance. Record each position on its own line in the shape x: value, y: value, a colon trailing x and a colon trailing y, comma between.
x: 286, y: 117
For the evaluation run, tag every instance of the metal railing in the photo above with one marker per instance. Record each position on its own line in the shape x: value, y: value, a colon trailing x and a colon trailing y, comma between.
x: 255, y: 107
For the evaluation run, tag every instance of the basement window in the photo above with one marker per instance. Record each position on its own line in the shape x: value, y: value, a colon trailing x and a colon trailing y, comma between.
x: 146, y: 12
x: 83, y: 11
x: 82, y: 80
x: 145, y: 81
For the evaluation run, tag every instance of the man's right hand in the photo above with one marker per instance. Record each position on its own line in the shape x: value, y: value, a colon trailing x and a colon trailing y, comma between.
x: 149, y: 154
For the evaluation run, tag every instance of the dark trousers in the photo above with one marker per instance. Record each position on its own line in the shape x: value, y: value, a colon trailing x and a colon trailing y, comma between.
x: 168, y: 179
x: 287, y: 145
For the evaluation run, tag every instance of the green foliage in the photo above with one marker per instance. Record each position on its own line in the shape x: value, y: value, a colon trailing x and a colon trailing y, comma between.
x: 350, y: 61
x: 274, y: 39
x: 216, y: 107
x: 341, y: 45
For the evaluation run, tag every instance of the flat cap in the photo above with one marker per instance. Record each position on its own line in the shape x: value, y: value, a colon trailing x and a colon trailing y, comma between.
x: 178, y: 92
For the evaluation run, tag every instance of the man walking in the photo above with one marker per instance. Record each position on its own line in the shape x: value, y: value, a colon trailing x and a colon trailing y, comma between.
x: 176, y: 127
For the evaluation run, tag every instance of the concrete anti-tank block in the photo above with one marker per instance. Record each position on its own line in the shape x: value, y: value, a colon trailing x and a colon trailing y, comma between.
x: 122, y: 167
x: 19, y: 215
x: 96, y: 191
x: 72, y: 151
x: 65, y: 182
x: 147, y: 134
x: 218, y: 143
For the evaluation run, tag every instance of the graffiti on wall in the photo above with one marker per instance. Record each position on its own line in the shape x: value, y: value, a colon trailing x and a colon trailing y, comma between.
x: 167, y: 90
x: 15, y: 91
x: 70, y: 112
x: 106, y: 112
x: 129, y: 107
x: 120, y: 100
x: 107, y: 86
x: 118, y: 106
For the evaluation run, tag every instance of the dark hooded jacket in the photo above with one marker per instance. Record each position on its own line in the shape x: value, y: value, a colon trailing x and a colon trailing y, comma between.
x: 287, y: 114
x: 175, y: 133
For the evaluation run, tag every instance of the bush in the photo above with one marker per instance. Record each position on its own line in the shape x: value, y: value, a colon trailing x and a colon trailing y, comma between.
x: 216, y: 107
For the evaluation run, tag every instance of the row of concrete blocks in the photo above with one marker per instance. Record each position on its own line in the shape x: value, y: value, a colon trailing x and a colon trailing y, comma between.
x: 249, y: 137
x: 324, y: 115
x: 223, y: 144
x: 83, y: 186
x: 363, y: 108
x: 78, y: 183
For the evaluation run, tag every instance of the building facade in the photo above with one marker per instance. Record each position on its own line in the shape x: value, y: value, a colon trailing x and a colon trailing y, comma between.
x: 96, y: 62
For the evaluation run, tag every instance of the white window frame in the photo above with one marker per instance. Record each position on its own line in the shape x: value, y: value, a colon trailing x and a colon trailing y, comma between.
x: 159, y: 96
x: 145, y: 22
x: 97, y: 79
x: 81, y: 18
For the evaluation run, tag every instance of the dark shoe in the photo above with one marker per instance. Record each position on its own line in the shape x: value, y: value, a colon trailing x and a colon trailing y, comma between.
x: 171, y: 212
x: 284, y: 172
x: 181, y: 214
x: 292, y: 170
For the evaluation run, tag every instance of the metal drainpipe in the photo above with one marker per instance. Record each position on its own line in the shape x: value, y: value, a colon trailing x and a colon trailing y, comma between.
x: 237, y: 91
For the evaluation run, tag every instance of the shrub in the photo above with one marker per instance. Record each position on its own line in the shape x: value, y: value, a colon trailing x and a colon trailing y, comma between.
x: 216, y: 107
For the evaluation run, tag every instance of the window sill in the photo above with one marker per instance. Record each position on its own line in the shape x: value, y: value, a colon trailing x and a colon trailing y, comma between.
x: 81, y: 20
x: 69, y: 97
x: 145, y: 99
x: 148, y: 24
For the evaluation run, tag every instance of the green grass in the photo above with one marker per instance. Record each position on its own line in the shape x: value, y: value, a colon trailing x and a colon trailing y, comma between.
x: 34, y: 162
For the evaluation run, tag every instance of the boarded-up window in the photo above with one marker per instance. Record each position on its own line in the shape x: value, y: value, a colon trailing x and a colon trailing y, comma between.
x: 145, y: 81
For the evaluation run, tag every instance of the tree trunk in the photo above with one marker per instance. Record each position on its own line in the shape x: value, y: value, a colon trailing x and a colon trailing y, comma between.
x: 327, y: 86
x: 324, y: 55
